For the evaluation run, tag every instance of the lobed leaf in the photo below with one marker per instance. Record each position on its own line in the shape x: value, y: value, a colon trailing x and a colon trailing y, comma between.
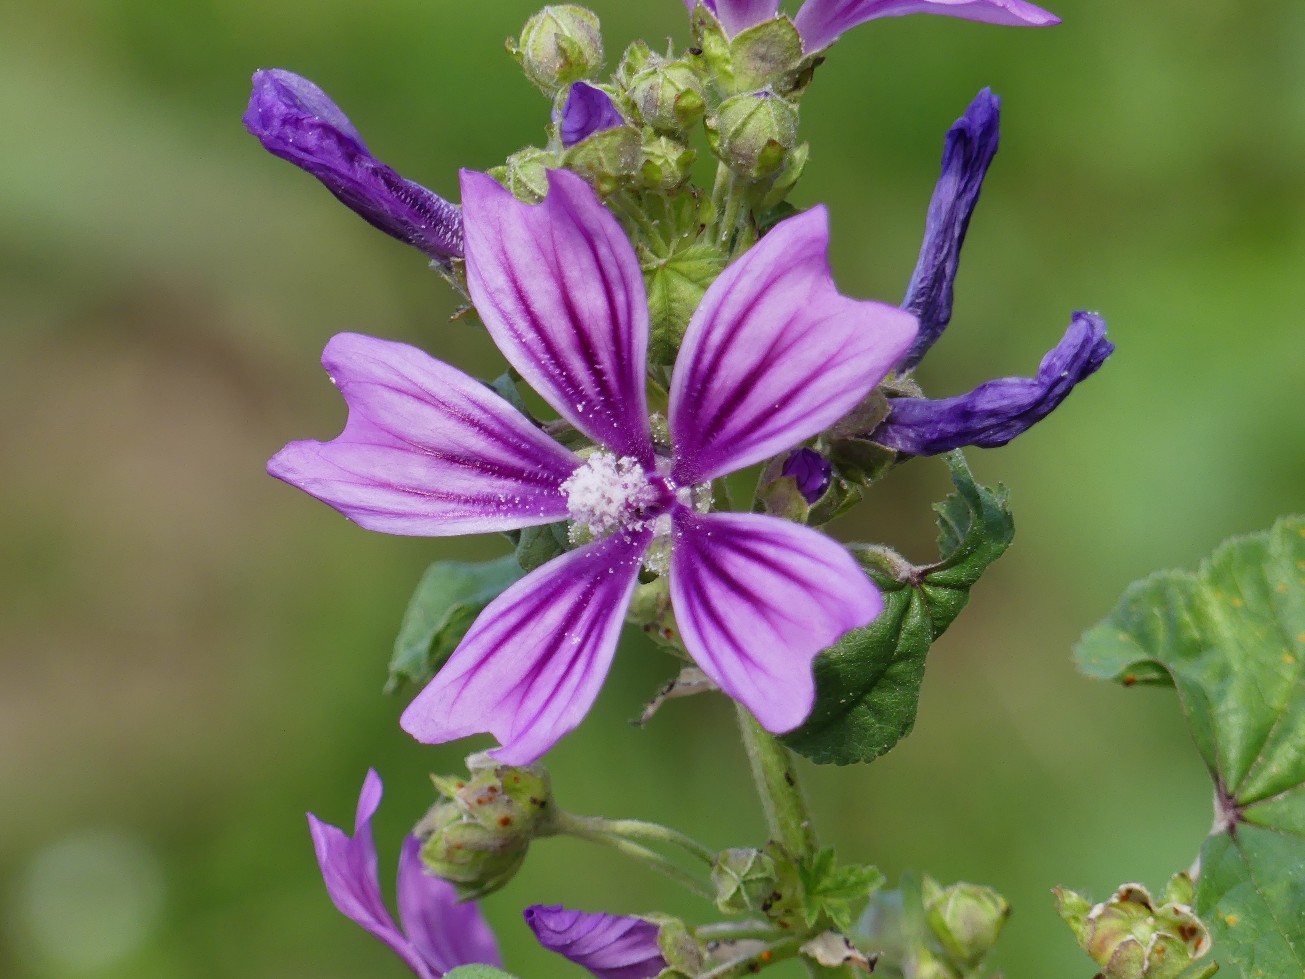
x: 868, y: 684
x: 1231, y: 638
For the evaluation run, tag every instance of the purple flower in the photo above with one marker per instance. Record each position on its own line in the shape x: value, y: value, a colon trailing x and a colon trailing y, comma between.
x: 810, y: 470
x: 610, y: 946
x: 969, y: 148
x: 994, y: 413
x: 773, y: 355
x: 587, y: 110
x: 295, y: 120
x: 438, y: 934
x: 820, y: 22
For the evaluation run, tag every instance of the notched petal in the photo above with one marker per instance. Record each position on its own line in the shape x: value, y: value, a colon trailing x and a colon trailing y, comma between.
x: 610, y: 946
x: 822, y: 21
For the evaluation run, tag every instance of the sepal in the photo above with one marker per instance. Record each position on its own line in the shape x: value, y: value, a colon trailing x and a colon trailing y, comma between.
x: 606, y: 159
x: 753, y: 133
x: 559, y: 45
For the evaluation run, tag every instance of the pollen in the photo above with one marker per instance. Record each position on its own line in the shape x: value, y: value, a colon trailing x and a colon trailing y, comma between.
x: 607, y: 494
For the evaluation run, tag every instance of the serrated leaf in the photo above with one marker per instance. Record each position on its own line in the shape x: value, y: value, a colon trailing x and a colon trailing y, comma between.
x: 676, y: 285
x: 478, y: 972
x: 1231, y: 639
x: 868, y: 684
x: 448, y: 598
x: 840, y: 893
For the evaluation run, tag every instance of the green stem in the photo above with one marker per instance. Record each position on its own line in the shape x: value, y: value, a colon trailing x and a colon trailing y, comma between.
x: 639, y: 829
x: 747, y: 965
x: 581, y: 827
x: 787, y: 818
x: 735, y: 930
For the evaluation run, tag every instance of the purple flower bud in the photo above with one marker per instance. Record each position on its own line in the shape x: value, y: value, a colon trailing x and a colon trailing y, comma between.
x: 810, y: 470
x: 971, y: 144
x: 994, y: 413
x: 588, y: 110
x: 610, y: 946
x: 295, y: 120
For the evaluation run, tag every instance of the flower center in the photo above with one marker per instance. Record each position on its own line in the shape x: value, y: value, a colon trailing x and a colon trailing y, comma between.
x: 607, y: 494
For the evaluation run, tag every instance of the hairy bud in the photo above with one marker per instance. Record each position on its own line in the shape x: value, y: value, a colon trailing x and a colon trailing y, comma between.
x: 754, y: 133
x: 966, y: 918
x: 668, y: 96
x: 559, y: 45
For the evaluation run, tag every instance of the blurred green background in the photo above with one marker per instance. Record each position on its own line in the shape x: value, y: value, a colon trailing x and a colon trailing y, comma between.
x: 192, y: 654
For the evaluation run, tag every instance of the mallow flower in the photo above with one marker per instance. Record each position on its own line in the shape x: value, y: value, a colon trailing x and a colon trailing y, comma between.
x: 437, y: 932
x: 998, y: 410
x: 773, y: 355
x: 585, y: 111
x: 297, y: 121
x: 821, y: 22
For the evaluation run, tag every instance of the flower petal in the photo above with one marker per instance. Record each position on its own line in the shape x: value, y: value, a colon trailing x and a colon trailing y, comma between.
x: 820, y: 22
x: 736, y: 16
x: 811, y: 471
x: 349, y: 871
x: 774, y: 354
x: 610, y: 946
x: 994, y: 413
x: 560, y: 289
x: 970, y: 146
x: 587, y: 110
x: 756, y: 598
x: 295, y: 120
x: 427, y: 450
x: 447, y: 932
x: 532, y: 663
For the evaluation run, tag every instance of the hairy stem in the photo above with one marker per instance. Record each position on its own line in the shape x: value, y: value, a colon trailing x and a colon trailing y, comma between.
x: 754, y: 962
x: 787, y: 818
x: 639, y: 829
x: 590, y: 828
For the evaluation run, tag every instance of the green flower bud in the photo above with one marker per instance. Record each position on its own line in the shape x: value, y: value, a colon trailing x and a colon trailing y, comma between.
x: 607, y: 158
x: 753, y: 133
x: 559, y: 45
x: 668, y: 96
x: 1130, y: 937
x: 526, y: 174
x: 924, y: 964
x: 966, y: 918
x: 477, y: 836
x: 745, y: 881
x: 666, y: 164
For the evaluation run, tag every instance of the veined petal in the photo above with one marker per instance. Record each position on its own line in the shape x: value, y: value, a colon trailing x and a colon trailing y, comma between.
x: 532, y: 663
x: 295, y: 120
x: 736, y: 16
x: 970, y: 146
x: 994, y: 413
x: 427, y: 450
x: 756, y: 598
x: 610, y: 946
x: 774, y: 354
x: 820, y: 22
x: 560, y: 289
x: 349, y: 871
x: 587, y: 110
x: 447, y: 932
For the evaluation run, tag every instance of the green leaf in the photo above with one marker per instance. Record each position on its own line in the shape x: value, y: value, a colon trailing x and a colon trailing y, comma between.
x: 868, y: 684
x: 478, y: 972
x: 448, y: 598
x: 536, y: 546
x: 840, y: 893
x: 676, y: 285
x: 1231, y: 639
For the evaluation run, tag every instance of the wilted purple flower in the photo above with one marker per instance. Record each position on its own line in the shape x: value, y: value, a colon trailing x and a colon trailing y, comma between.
x: 773, y: 355
x: 610, y: 946
x: 968, y: 150
x: 587, y: 110
x: 820, y: 22
x: 810, y: 470
x: 994, y: 413
x: 438, y: 934
x: 295, y: 120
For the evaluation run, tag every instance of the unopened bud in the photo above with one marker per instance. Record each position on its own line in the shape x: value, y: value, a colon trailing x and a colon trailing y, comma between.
x: 966, y: 918
x: 754, y: 133
x: 666, y: 163
x: 745, y: 881
x: 526, y: 174
x: 924, y: 964
x: 668, y: 96
x: 1130, y: 937
x: 477, y: 836
x: 559, y: 45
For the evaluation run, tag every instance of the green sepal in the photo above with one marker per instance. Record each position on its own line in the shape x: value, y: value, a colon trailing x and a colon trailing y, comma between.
x: 766, y: 55
x: 836, y: 893
x: 666, y: 163
x: 676, y: 285
x: 868, y: 684
x: 478, y: 972
x: 536, y: 546
x: 607, y: 158
x: 526, y: 174
x: 683, y: 954
x: 744, y: 880
x: 1231, y: 638
x: 448, y: 598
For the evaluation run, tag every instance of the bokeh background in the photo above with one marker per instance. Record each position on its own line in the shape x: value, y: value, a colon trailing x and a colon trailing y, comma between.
x: 192, y: 654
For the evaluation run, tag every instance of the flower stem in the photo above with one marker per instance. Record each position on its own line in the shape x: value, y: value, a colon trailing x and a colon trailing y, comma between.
x: 747, y: 965
x: 787, y: 818
x: 596, y: 830
x: 639, y: 829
